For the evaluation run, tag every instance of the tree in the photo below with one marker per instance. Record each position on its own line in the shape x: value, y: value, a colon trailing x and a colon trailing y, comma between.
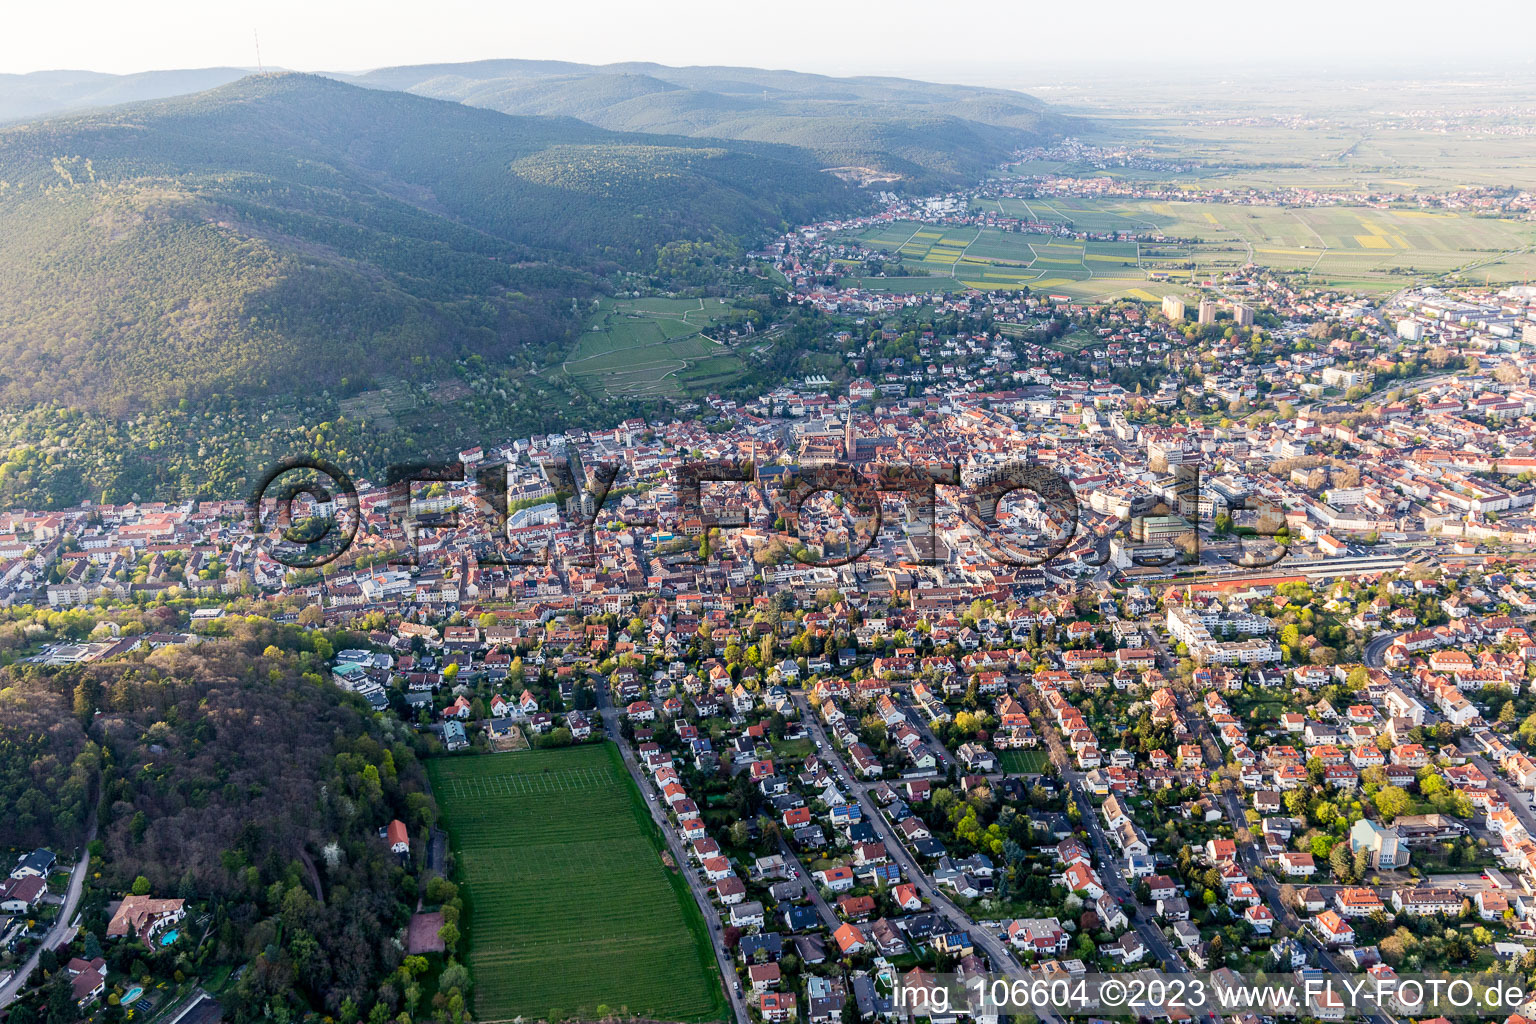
x: 141, y: 886
x: 1392, y: 801
x: 1394, y: 948
x: 1339, y: 861
x: 61, y: 1001
x: 455, y: 977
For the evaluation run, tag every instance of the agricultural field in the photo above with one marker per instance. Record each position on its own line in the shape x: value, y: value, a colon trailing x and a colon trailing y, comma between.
x: 1024, y: 762
x: 945, y: 259
x: 1362, y: 247
x: 570, y: 910
x: 382, y: 406
x: 1237, y: 131
x: 638, y: 348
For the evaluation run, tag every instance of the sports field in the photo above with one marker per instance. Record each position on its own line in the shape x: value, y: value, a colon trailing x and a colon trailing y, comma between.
x: 570, y: 907
x: 1025, y: 762
x: 633, y: 348
x: 1357, y: 246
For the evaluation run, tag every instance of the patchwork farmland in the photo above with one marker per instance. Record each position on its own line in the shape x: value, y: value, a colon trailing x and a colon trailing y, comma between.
x: 970, y: 257
x: 1363, y: 247
x: 570, y: 909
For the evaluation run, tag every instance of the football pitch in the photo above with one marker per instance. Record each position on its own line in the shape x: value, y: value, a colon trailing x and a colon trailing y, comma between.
x: 1025, y: 762
x: 570, y: 910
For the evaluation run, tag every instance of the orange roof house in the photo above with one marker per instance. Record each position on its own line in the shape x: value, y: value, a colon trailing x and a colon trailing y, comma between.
x: 144, y: 916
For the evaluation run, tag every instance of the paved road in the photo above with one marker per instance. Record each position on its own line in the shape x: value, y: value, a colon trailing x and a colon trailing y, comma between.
x: 1115, y: 884
x: 1252, y: 861
x: 919, y: 721
x: 684, y: 864
x: 63, y: 929
x: 1104, y: 857
x: 1518, y: 801
x: 1376, y: 649
x: 1156, y: 942
x: 997, y: 951
x: 808, y: 888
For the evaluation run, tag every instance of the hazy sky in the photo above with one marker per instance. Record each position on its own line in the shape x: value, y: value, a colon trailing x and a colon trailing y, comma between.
x: 977, y: 41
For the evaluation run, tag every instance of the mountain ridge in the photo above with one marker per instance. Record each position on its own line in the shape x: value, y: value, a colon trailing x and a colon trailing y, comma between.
x: 928, y: 134
x: 230, y: 234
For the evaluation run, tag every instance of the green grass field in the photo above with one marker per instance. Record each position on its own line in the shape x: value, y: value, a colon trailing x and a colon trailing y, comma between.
x: 1368, y: 248
x: 1025, y: 762
x: 569, y: 906
x: 633, y: 348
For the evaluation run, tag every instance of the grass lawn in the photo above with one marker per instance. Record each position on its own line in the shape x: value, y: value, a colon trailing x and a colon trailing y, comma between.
x: 792, y: 750
x: 1024, y: 762
x: 1269, y: 709
x: 569, y: 906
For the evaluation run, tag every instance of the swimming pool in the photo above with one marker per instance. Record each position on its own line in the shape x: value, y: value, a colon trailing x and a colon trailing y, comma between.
x: 132, y: 995
x: 170, y: 937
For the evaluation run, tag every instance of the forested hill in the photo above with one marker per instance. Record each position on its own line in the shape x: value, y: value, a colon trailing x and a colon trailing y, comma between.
x: 288, y: 233
x: 924, y: 132
x: 42, y: 93
x: 235, y: 775
x: 927, y: 134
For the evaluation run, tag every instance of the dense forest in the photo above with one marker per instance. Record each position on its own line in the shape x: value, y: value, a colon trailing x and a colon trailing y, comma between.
x: 48, y: 768
x: 53, y: 455
x: 288, y: 233
x: 233, y: 773
x: 929, y: 134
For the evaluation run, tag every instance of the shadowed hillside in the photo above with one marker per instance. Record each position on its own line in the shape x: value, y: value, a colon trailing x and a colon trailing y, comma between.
x: 284, y: 233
